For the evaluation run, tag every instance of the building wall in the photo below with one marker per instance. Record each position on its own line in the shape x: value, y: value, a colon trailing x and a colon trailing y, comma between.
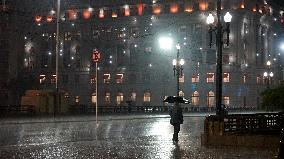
x: 137, y: 52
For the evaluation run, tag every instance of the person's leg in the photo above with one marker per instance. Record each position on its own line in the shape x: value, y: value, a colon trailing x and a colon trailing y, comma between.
x: 176, y: 131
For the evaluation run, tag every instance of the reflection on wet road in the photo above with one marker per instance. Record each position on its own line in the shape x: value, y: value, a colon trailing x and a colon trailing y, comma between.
x: 125, y: 137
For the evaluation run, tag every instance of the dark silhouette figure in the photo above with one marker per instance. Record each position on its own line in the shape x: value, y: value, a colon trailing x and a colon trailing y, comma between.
x: 176, y: 120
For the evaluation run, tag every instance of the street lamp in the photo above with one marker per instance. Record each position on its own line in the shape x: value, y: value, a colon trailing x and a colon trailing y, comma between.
x: 176, y: 114
x: 218, y: 29
x: 268, y: 77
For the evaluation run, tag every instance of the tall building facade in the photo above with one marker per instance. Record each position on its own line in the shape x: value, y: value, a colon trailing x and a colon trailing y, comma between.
x: 133, y: 66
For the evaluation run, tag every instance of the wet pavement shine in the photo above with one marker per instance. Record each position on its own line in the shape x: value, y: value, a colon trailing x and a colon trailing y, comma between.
x: 127, y: 137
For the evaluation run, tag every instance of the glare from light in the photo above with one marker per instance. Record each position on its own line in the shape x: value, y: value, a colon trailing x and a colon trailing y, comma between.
x: 227, y: 17
x: 90, y: 9
x: 282, y: 46
x: 268, y: 63
x: 165, y: 43
x: 265, y: 74
x: 271, y: 74
x: 174, y: 62
x: 181, y: 62
x: 210, y: 19
x: 178, y: 46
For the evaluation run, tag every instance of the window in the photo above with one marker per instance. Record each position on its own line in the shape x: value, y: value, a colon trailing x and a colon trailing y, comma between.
x: 66, y: 95
x: 77, y: 99
x: 210, y: 99
x: 94, y: 98
x: 147, y: 97
x: 244, y: 78
x: 106, y: 78
x: 195, y: 78
x: 119, y: 78
x: 195, y: 98
x: 258, y: 79
x: 226, y: 100
x: 53, y: 79
x: 119, y: 98
x: 42, y: 79
x: 181, y: 93
x: 181, y: 78
x: 133, y: 96
x: 210, y: 77
x: 226, y: 77
x: 226, y: 59
x: 67, y: 36
x: 93, y: 79
x: 107, y: 98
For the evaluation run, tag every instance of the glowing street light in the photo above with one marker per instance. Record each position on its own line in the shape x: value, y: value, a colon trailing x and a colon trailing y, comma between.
x: 165, y: 43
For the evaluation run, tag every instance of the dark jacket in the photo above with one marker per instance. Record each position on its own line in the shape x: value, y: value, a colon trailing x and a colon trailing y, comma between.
x: 176, y: 116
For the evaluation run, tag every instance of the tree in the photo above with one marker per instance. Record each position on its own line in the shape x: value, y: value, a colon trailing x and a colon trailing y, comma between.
x: 273, y: 99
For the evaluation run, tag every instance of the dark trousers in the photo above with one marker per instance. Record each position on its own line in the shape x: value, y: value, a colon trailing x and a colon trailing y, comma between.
x: 176, y: 131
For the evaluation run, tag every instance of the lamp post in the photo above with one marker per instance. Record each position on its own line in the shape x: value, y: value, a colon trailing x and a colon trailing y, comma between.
x: 57, y: 97
x: 219, y: 30
x: 176, y: 114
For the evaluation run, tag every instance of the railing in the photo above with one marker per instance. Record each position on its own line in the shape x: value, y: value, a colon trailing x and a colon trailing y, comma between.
x: 17, y: 109
x: 247, y: 123
x: 129, y: 109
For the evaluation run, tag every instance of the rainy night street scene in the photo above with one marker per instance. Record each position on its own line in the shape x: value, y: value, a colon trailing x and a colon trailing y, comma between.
x: 142, y: 79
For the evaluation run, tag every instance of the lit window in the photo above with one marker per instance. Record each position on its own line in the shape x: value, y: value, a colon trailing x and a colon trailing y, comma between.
x: 133, y: 96
x: 181, y: 93
x: 147, y: 97
x: 101, y: 13
x: 188, y: 8
x: 244, y: 78
x: 156, y: 9
x: 106, y: 78
x: 93, y: 79
x: 226, y: 100
x: 94, y: 98
x: 203, y: 6
x: 53, y: 79
x: 107, y: 98
x: 226, y: 77
x: 119, y: 98
x: 174, y: 8
x: 181, y: 78
x: 126, y: 11
x: 86, y: 14
x: 258, y: 80
x: 140, y: 8
x: 119, y: 78
x: 210, y: 77
x: 77, y: 99
x: 210, y: 99
x: 195, y: 98
x: 72, y: 14
x: 195, y: 78
x: 42, y: 79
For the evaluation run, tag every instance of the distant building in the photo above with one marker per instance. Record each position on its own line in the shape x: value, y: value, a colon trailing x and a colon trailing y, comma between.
x: 134, y: 67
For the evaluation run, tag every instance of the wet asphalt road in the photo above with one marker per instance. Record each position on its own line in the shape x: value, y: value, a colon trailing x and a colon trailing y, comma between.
x: 121, y: 137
